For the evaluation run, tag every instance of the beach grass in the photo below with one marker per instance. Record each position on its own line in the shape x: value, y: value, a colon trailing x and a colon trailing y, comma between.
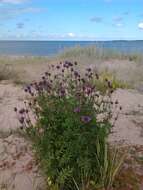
x: 99, y: 53
x: 123, y: 68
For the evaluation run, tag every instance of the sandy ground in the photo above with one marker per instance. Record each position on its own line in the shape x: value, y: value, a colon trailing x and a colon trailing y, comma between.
x: 18, y: 168
x: 129, y: 126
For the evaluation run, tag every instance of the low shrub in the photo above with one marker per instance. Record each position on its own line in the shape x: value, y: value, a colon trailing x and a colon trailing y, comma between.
x: 116, y: 83
x: 6, y: 72
x: 69, y: 121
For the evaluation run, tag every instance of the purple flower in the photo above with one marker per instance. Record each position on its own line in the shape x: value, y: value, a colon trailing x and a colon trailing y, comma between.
x: 22, y: 111
x: 26, y: 90
x: 77, y: 110
x: 76, y: 74
x: 62, y: 92
x: 46, y: 73
x: 30, y: 104
x: 70, y: 64
x: 85, y: 119
x: 58, y: 67
x: 90, y: 76
x: 116, y: 102
x: 29, y: 87
x: 21, y: 120
x: 89, y: 69
x: 67, y: 64
x: 87, y: 89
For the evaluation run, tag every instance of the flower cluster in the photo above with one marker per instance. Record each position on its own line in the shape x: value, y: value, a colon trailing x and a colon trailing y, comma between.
x: 62, y: 81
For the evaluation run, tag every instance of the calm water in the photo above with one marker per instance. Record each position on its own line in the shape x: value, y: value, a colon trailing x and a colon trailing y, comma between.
x: 49, y: 48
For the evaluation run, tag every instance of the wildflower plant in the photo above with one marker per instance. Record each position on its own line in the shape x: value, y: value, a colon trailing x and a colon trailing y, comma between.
x: 69, y: 121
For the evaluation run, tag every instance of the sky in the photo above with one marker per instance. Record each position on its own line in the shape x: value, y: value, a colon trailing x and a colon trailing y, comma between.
x: 71, y: 20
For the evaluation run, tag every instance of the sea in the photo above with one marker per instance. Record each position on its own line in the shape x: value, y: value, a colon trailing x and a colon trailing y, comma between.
x: 51, y: 48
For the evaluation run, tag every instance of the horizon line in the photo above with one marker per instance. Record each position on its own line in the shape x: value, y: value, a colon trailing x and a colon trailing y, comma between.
x: 1, y: 40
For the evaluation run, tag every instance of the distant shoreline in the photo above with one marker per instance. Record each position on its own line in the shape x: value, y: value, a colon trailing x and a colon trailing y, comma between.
x: 70, y: 40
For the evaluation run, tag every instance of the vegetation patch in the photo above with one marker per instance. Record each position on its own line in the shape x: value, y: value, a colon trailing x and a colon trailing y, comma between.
x: 108, y: 76
x: 99, y: 53
x: 69, y: 120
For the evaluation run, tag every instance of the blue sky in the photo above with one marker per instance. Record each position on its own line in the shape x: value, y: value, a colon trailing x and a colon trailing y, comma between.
x: 71, y: 19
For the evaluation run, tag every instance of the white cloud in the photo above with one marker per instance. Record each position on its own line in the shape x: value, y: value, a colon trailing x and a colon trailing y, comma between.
x: 118, y: 21
x: 119, y: 25
x: 12, y: 1
x: 36, y: 34
x: 72, y: 35
x: 140, y: 25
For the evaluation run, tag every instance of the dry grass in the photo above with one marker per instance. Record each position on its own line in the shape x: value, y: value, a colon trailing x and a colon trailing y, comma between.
x: 92, y: 52
x: 124, y: 68
x: 7, y: 72
x: 21, y: 70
